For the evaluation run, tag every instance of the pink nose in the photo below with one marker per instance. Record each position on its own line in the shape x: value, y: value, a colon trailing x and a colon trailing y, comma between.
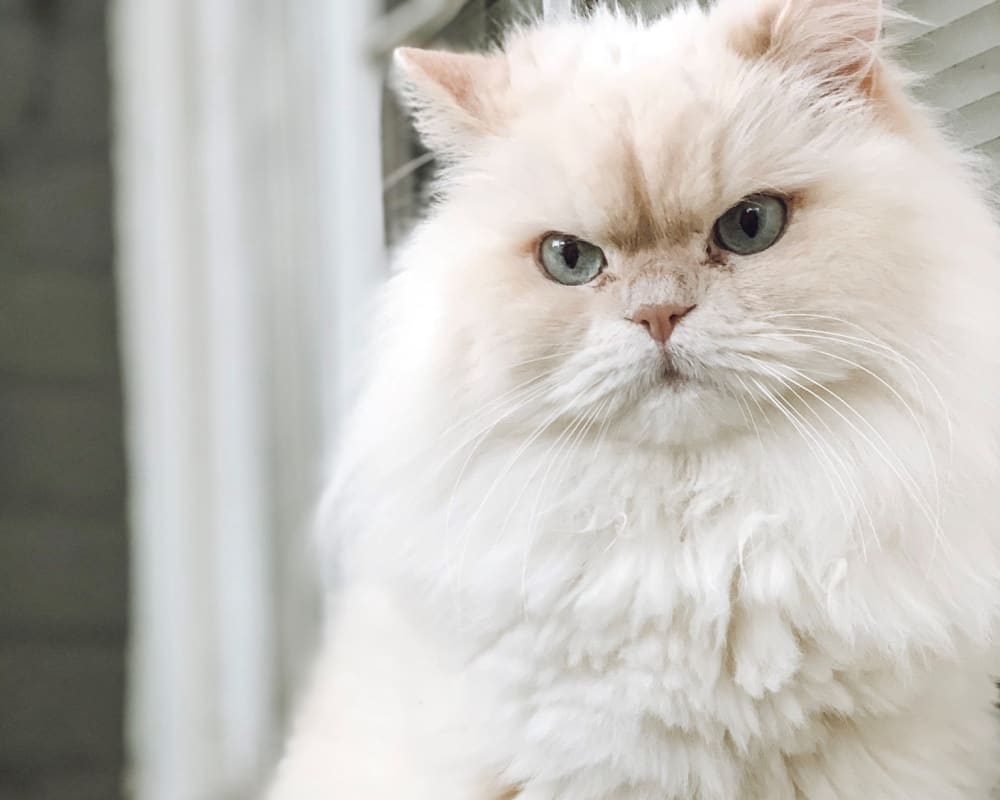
x: 660, y: 321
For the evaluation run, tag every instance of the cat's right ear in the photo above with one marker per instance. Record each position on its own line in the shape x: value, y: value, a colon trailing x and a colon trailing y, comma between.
x: 838, y: 41
x: 455, y: 98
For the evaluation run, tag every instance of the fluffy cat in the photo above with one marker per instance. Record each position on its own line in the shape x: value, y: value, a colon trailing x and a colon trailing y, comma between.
x: 675, y: 473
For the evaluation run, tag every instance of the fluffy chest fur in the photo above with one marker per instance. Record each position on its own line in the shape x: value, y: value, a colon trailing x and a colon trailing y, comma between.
x: 647, y: 626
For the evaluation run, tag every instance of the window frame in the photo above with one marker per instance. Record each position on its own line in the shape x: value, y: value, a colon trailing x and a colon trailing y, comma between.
x: 250, y: 246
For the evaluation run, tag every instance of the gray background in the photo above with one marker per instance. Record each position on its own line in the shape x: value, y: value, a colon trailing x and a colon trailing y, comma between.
x: 63, y: 557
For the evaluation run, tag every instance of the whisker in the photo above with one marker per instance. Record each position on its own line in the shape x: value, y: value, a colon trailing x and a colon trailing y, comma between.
x: 481, y: 411
x: 477, y: 440
x: 813, y: 442
x: 897, y: 467
x: 921, y: 428
x: 582, y: 426
x: 760, y: 441
x: 522, y: 449
x: 883, y: 350
x: 840, y: 466
x: 881, y: 347
x: 527, y: 483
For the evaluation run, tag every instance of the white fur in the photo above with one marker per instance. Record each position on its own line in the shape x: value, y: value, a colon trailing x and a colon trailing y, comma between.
x: 777, y: 579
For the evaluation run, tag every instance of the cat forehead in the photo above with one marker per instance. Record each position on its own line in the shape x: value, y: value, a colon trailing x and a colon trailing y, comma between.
x: 639, y: 164
x: 636, y: 119
x: 656, y: 179
x: 646, y: 135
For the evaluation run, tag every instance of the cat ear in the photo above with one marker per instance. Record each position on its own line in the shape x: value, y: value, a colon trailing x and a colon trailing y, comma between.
x: 837, y: 40
x: 454, y: 97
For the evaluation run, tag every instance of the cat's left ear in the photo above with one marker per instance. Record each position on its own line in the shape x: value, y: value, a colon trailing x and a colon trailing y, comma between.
x: 839, y: 41
x: 455, y: 98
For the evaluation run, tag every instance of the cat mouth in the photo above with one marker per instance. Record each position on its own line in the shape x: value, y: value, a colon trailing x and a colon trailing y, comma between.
x: 665, y: 372
x: 671, y: 377
x: 670, y: 374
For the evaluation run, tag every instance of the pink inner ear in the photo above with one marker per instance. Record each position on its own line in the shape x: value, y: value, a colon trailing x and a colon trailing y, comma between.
x: 465, y: 79
x: 752, y: 36
x: 457, y: 81
x: 836, y: 38
x: 434, y: 68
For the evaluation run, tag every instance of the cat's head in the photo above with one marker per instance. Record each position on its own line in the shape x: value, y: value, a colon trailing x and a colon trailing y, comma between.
x: 681, y: 224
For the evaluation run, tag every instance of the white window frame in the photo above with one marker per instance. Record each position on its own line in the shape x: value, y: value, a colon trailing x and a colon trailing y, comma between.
x: 250, y: 240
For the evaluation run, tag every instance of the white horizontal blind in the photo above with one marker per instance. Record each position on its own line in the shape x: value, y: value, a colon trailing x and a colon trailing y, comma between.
x: 958, y: 47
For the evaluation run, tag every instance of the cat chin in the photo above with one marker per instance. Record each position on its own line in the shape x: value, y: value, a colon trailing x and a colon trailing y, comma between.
x: 679, y: 411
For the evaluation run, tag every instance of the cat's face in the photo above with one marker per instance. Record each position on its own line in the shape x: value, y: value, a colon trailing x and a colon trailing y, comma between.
x: 676, y: 226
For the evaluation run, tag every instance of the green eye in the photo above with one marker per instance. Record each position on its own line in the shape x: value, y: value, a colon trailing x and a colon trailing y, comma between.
x: 752, y: 225
x: 569, y: 260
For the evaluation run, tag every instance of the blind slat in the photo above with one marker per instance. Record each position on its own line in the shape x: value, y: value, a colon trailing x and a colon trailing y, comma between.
x: 992, y: 151
x: 956, y: 42
x: 931, y: 14
x: 965, y: 83
x: 960, y: 59
x: 979, y: 122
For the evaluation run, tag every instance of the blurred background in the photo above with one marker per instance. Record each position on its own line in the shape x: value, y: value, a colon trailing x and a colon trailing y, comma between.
x: 196, y: 201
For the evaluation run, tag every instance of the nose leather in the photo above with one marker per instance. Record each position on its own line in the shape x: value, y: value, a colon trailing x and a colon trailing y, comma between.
x: 660, y: 320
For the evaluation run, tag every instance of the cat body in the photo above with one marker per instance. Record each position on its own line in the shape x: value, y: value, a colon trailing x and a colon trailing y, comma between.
x: 712, y: 524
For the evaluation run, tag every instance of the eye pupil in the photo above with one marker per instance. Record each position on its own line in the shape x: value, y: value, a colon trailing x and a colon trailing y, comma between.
x: 752, y: 225
x: 571, y: 254
x: 750, y: 221
x: 569, y: 260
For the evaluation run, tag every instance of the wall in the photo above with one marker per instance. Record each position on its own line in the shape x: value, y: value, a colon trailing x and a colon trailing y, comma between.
x: 62, y: 535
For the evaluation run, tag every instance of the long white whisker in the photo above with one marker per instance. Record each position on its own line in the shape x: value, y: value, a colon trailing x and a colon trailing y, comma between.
x: 814, y: 443
x: 878, y: 346
x: 477, y: 440
x: 840, y: 465
x: 921, y: 427
x: 522, y: 449
x: 898, y: 469
x: 883, y: 350
x: 582, y: 426
x: 541, y: 462
x: 499, y: 400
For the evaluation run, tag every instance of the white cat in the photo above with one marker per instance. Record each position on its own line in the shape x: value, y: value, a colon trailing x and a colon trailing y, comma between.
x: 676, y: 472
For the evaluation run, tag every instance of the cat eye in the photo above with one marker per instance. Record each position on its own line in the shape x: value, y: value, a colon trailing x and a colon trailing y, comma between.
x: 752, y: 225
x: 570, y: 261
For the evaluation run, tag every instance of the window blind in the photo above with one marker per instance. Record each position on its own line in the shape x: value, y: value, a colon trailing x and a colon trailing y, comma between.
x: 957, y: 46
